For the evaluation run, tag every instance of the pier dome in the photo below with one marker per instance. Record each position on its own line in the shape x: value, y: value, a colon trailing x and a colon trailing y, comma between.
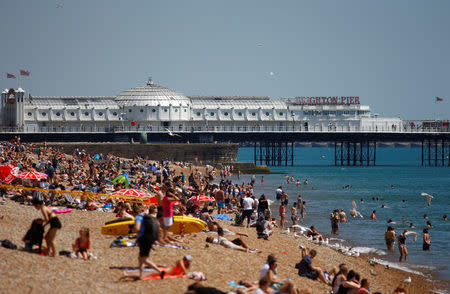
x: 151, y: 95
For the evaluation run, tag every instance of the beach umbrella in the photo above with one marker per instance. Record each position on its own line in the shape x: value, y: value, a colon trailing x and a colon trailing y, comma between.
x: 8, y: 172
x: 146, y: 197
x: 32, y: 175
x: 202, y: 198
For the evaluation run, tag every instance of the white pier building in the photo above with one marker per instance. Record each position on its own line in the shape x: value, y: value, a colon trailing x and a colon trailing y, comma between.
x: 153, y: 108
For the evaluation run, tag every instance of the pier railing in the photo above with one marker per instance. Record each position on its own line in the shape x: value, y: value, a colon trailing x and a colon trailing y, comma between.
x: 297, y: 128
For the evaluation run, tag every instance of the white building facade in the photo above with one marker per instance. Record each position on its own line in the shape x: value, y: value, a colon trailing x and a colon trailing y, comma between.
x: 153, y: 108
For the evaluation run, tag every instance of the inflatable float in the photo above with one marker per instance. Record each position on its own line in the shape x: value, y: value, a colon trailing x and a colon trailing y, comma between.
x: 61, y: 210
x: 186, y: 224
x: 121, y: 226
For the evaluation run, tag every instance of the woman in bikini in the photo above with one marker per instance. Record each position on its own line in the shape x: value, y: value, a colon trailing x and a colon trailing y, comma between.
x: 402, y: 246
x: 83, y: 245
x: 49, y: 218
x: 389, y: 237
x: 282, y: 214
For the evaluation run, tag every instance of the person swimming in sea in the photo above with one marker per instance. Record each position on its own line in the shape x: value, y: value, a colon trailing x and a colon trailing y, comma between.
x: 426, y: 240
x: 445, y: 217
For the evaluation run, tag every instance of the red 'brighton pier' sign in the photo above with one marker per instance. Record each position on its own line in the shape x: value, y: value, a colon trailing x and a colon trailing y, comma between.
x: 326, y: 100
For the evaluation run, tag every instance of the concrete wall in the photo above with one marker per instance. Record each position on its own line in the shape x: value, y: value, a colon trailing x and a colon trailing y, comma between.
x: 207, y: 153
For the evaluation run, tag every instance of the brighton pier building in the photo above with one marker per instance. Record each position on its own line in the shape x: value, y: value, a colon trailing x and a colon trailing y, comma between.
x: 154, y: 108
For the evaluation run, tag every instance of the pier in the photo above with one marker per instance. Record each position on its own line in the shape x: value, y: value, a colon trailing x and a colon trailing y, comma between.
x: 272, y: 147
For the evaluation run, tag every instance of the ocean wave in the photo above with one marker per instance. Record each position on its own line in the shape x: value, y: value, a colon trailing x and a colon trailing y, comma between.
x: 369, y: 250
x: 440, y: 292
x: 397, y: 266
x: 337, y: 239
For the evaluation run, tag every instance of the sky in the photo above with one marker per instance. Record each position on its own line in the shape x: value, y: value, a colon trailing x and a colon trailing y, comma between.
x: 394, y: 55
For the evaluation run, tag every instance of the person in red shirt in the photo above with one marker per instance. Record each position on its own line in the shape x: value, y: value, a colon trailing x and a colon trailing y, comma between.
x: 167, y: 206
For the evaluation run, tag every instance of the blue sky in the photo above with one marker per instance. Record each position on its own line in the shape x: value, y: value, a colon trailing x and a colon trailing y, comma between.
x: 393, y: 54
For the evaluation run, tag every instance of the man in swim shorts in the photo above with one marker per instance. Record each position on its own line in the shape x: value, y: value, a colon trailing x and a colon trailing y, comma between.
x: 220, y: 198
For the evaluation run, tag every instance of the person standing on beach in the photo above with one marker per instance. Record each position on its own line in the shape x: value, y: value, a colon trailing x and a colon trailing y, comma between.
x: 167, y: 206
x: 144, y: 242
x: 50, y: 218
x: 299, y: 201
x: 426, y: 240
x: 248, y: 205
x: 402, y: 246
x: 220, y: 198
x: 282, y: 214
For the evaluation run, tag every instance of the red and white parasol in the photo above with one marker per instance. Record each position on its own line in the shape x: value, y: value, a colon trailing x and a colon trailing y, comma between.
x: 32, y: 175
x: 148, y: 198
x: 8, y: 172
x: 202, y: 198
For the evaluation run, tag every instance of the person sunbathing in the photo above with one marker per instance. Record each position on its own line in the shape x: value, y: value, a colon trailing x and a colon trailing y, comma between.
x: 214, y: 227
x: 180, y: 268
x: 236, y: 244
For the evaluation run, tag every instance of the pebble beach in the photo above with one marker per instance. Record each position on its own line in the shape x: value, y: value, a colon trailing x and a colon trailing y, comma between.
x: 31, y: 273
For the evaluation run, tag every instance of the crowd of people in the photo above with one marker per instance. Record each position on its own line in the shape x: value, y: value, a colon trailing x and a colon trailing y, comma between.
x: 172, y: 183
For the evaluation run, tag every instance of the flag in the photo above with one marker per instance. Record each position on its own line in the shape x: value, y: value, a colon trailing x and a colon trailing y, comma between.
x: 24, y: 72
x: 10, y: 76
x: 439, y: 99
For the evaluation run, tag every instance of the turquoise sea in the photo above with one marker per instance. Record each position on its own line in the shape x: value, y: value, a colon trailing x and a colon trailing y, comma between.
x: 399, y: 167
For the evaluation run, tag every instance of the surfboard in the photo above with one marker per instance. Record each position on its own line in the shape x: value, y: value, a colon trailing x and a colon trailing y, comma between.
x: 119, y: 227
x: 187, y: 224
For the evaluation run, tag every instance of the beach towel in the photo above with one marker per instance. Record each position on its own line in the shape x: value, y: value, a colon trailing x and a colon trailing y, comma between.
x: 236, y: 285
x: 155, y: 276
x: 122, y: 242
x: 223, y: 217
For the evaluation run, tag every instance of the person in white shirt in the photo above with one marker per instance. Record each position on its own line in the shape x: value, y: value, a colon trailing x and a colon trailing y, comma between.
x: 248, y: 204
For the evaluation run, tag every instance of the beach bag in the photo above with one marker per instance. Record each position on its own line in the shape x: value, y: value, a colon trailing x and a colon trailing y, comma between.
x: 151, y: 233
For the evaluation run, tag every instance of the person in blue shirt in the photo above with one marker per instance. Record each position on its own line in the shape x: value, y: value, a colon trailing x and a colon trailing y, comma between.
x: 306, y: 269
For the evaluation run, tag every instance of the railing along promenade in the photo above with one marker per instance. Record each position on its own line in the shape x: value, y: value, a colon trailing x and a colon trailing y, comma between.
x: 298, y: 128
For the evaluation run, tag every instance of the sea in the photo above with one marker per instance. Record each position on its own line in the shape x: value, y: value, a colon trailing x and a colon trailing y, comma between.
x: 397, y: 181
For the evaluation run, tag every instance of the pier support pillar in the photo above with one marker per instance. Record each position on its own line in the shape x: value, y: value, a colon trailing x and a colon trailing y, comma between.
x: 435, y: 152
x: 273, y: 153
x: 355, y: 153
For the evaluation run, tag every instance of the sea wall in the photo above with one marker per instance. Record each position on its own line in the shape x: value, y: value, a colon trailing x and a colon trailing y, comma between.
x: 207, y: 153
